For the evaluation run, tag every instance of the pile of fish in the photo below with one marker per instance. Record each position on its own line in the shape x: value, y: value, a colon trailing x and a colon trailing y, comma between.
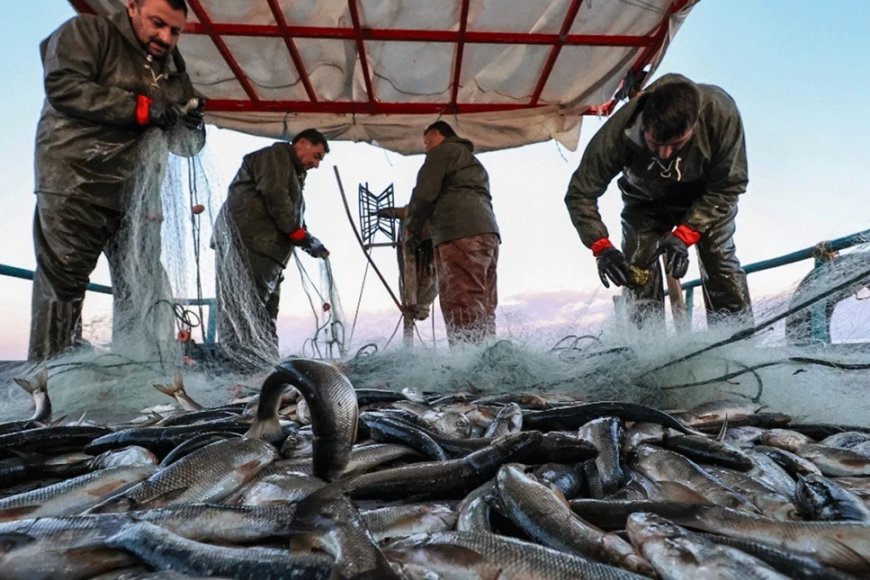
x: 312, y: 478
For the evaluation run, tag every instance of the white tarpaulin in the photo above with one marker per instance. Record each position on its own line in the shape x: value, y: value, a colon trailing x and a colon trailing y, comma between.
x: 503, y: 72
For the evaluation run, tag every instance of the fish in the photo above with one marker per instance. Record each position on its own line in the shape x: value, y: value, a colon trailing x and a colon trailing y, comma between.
x: 842, y: 545
x: 662, y: 465
x: 681, y: 555
x: 74, y: 495
x: 193, y: 443
x: 327, y: 521
x: 401, y: 521
x: 714, y: 413
x: 784, y: 439
x: 835, y: 461
x: 160, y: 440
x: 473, y: 512
x: 567, y: 478
x: 794, y: 465
x: 206, y: 475
x: 708, y: 451
x: 546, y: 517
x: 788, y: 563
x: 333, y: 405
x: 574, y: 416
x: 38, y: 391
x: 132, y: 455
x: 47, y: 440
x: 162, y: 550
x: 611, y: 514
x: 177, y: 392
x: 35, y: 558
x: 769, y: 502
x: 385, y: 429
x: 441, y: 476
x: 823, y: 499
x: 605, y: 473
x: 480, y: 555
x: 846, y: 439
x: 276, y: 489
x: 509, y: 419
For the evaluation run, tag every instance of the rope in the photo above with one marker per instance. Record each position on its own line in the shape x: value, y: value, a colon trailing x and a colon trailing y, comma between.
x: 752, y: 330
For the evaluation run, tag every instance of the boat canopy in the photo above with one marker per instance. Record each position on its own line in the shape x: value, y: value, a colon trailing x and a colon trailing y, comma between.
x: 504, y: 73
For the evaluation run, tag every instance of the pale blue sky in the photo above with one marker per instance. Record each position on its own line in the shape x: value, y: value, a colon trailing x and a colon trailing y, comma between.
x: 797, y: 69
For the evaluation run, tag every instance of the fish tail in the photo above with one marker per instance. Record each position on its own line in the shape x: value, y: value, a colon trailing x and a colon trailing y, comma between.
x: 266, y: 429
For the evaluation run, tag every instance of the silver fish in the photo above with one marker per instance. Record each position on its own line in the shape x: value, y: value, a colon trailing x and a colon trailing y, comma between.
x: 177, y: 392
x: 474, y: 510
x: 277, y: 489
x: 834, y: 461
x: 679, y: 555
x: 74, y: 495
x: 509, y: 419
x: 206, y: 475
x: 472, y: 555
x: 405, y: 520
x: 334, y: 411
x: 843, y: 545
x: 824, y: 499
x: 662, y: 465
x: 164, y: 550
x: 545, y: 516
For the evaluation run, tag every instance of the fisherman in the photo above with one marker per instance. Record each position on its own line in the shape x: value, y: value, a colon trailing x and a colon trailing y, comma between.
x: 681, y: 151
x: 259, y: 226
x: 452, y: 195
x: 117, y: 99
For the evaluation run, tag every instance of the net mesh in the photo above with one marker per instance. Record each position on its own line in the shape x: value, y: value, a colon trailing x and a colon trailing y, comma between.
x: 807, y: 353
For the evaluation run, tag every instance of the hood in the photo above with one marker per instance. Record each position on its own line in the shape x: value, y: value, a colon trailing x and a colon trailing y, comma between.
x: 460, y: 141
x: 633, y: 127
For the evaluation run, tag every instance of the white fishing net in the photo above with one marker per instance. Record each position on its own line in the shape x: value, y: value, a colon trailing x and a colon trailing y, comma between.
x: 807, y: 353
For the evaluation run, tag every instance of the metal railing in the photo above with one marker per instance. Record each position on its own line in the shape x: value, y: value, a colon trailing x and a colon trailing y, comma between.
x: 816, y: 252
x: 211, y: 303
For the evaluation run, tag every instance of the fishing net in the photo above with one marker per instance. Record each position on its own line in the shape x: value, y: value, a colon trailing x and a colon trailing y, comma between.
x: 806, y: 352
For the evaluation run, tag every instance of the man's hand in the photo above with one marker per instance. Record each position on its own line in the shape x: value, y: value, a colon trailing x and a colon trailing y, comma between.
x: 396, y: 213
x: 675, y: 247
x: 191, y: 113
x: 611, y: 265
x: 314, y: 248
x: 162, y: 115
x: 676, y: 255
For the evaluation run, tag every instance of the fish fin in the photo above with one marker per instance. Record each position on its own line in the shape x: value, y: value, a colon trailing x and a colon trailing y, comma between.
x: 265, y: 429
x: 847, y: 558
x: 722, y: 430
x: 166, y: 390
x: 25, y: 384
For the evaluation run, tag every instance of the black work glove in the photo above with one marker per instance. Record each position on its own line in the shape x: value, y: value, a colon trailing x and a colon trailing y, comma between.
x: 162, y: 115
x: 676, y: 254
x: 314, y: 247
x: 191, y: 113
x: 611, y: 264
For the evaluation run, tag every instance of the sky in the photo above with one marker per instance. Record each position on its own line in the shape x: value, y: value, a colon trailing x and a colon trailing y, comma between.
x: 796, y: 68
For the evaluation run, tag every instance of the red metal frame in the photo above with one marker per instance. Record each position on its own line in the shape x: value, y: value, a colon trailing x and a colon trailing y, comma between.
x: 462, y: 37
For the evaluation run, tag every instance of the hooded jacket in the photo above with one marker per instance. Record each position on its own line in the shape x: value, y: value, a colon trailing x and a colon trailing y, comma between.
x: 452, y: 192
x: 706, y: 175
x: 265, y: 202
x: 88, y: 143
